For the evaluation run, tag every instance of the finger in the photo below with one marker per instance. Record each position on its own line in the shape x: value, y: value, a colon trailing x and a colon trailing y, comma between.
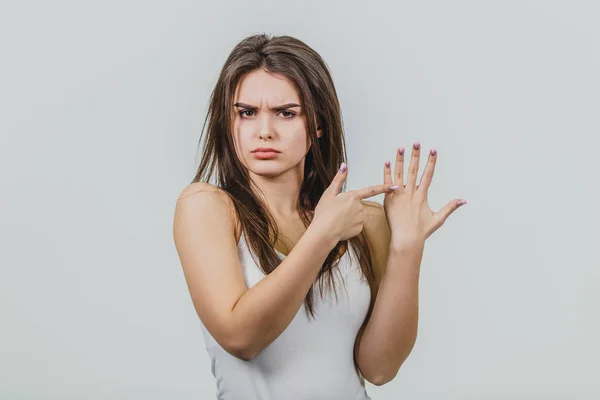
x: 374, y: 190
x: 337, y: 183
x: 448, y: 209
x: 413, y: 167
x: 399, y: 169
x: 387, y: 173
x: 428, y: 171
x: 387, y: 176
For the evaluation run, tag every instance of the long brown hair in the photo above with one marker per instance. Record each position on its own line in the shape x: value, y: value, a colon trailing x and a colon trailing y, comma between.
x: 309, y: 73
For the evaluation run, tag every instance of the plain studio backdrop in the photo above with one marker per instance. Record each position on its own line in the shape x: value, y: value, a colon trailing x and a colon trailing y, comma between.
x: 102, y: 104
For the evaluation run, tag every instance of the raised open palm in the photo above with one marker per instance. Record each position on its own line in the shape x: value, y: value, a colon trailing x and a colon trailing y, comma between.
x: 407, y: 211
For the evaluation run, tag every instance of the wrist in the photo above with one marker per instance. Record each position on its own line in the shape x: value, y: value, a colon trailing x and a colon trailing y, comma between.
x: 405, y: 244
x: 323, y: 233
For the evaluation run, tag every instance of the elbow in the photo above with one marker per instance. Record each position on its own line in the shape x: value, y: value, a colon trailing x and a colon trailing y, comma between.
x: 233, y: 338
x: 377, y: 380
x: 387, y: 376
x: 241, y: 353
x: 381, y: 380
x: 240, y: 348
x: 382, y: 377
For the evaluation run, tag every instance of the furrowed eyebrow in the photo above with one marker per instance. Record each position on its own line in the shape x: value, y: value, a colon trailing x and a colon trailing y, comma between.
x: 278, y: 108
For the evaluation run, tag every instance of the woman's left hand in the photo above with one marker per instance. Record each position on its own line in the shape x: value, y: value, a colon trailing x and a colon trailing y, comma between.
x: 409, y: 216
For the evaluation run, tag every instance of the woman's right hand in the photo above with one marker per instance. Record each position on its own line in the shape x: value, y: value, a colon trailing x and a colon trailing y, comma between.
x: 341, y: 214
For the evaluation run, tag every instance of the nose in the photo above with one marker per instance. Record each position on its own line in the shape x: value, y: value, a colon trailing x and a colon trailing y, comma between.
x: 265, y: 127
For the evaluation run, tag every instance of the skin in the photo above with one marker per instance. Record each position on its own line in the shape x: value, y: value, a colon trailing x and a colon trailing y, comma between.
x: 285, y: 130
x: 391, y: 330
x: 244, y: 321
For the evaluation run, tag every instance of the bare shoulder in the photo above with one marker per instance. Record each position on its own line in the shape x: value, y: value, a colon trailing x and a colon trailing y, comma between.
x: 203, y: 188
x: 204, y: 236
x: 375, y: 219
x: 378, y: 234
x: 202, y: 197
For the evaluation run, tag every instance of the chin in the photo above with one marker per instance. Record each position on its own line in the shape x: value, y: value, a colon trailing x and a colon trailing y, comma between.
x: 264, y: 169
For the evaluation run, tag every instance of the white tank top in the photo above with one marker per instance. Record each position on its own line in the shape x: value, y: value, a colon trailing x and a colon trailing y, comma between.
x: 312, y: 359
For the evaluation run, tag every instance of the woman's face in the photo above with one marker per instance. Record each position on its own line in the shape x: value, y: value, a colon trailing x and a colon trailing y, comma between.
x: 257, y: 123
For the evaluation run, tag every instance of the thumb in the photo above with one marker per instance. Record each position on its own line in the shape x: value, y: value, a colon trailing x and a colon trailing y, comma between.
x: 447, y: 210
x: 337, y: 183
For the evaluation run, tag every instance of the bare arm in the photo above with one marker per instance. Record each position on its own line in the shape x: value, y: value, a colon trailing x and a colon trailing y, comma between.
x: 243, y: 321
x: 389, y: 334
x: 264, y: 311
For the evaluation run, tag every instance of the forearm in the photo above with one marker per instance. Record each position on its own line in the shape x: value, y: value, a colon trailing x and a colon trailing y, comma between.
x: 264, y: 311
x: 391, y: 331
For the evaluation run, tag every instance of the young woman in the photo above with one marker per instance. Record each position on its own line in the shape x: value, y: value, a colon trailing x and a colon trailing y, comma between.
x: 302, y: 289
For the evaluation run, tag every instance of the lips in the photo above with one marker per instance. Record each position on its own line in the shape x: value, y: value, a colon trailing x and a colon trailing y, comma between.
x: 264, y: 155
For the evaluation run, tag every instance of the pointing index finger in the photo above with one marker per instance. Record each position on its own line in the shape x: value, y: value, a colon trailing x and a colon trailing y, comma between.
x: 373, y: 190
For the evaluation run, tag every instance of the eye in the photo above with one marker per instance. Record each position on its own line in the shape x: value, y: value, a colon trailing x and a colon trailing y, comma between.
x: 286, y: 114
x: 244, y: 111
x: 291, y: 114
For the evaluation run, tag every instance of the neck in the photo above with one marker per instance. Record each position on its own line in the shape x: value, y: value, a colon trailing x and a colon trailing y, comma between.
x: 280, y: 192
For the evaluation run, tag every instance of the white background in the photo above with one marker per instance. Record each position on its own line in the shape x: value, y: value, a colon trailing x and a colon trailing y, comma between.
x: 102, y: 104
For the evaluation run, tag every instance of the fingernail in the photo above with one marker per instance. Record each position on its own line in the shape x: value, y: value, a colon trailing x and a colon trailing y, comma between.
x: 343, y: 167
x: 387, y: 163
x: 416, y: 145
x: 401, y: 150
x: 394, y: 187
x: 433, y: 152
x: 461, y: 202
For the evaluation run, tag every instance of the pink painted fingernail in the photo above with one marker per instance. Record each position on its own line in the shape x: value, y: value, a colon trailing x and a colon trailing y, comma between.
x: 387, y: 164
x: 401, y: 151
x: 394, y: 187
x: 343, y: 167
x: 416, y: 145
x: 461, y: 202
x: 433, y: 152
